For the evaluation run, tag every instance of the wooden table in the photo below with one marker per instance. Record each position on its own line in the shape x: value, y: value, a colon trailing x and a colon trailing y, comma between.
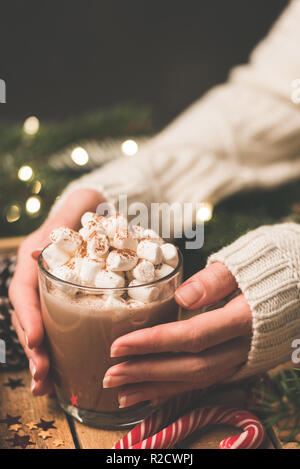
x: 70, y: 434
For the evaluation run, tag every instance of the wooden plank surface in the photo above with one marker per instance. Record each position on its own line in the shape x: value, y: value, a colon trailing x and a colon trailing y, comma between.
x: 90, y: 438
x: 20, y: 402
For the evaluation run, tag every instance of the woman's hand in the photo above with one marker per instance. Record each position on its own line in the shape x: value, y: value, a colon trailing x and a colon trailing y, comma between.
x: 26, y: 317
x: 23, y: 290
x: 185, y: 355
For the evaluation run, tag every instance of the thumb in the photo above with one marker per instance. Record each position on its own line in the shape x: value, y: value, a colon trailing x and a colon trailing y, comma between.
x: 207, y: 286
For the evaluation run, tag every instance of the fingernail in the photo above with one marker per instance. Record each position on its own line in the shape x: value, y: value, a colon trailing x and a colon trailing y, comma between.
x: 127, y: 400
x: 35, y: 254
x: 106, y: 381
x: 114, y: 381
x: 119, y: 351
x: 27, y: 341
x: 32, y: 368
x: 189, y: 293
x: 122, y: 402
x: 33, y: 385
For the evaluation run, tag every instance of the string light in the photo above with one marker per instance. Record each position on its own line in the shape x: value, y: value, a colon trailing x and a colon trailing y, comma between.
x: 80, y: 156
x: 25, y: 173
x: 36, y: 187
x: 31, y: 125
x: 13, y: 213
x: 204, y: 212
x: 129, y: 147
x: 33, y: 205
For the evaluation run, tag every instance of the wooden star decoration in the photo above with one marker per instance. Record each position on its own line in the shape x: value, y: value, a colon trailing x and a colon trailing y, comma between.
x: 57, y: 443
x: 46, y: 424
x: 74, y: 400
x: 14, y: 383
x: 21, y: 440
x: 44, y: 435
x: 11, y: 420
x: 15, y: 428
x: 31, y: 425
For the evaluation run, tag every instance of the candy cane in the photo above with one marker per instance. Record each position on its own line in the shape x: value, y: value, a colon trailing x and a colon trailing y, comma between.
x: 143, y: 436
x: 164, y: 415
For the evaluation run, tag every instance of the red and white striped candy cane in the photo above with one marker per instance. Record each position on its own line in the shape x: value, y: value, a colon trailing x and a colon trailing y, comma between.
x: 161, y: 417
x: 143, y: 436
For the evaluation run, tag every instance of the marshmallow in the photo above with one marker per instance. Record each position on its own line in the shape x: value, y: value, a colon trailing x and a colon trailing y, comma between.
x: 54, y: 256
x: 153, y: 236
x: 69, y: 274
x: 121, y: 260
x: 89, y: 270
x: 150, y: 251
x: 66, y: 239
x: 111, y: 302
x: 144, y: 271
x: 124, y: 240
x: 114, y: 224
x: 107, y: 279
x: 136, y: 231
x: 110, y: 254
x: 163, y: 270
x: 88, y: 217
x: 144, y: 294
x: 91, y: 227
x: 169, y: 254
x: 97, y: 245
x: 134, y: 304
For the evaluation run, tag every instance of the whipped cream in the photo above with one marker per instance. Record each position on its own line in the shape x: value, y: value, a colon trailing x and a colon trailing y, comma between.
x: 107, y: 253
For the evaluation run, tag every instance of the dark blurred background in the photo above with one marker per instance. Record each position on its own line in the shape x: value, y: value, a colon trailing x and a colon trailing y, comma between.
x: 60, y: 58
x: 96, y: 73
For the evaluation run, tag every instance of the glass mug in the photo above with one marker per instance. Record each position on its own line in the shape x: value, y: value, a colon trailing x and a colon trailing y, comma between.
x: 80, y: 328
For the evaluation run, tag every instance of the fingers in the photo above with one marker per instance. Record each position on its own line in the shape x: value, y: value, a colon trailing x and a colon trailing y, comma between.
x: 207, y: 286
x: 35, y: 254
x: 159, y: 392
x: 40, y: 388
x: 193, y: 368
x: 38, y: 357
x: 25, y: 300
x: 193, y: 335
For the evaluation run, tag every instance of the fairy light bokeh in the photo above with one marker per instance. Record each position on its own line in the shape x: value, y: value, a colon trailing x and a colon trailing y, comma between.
x: 129, y: 147
x: 25, y: 173
x: 80, y: 156
x: 31, y: 125
x: 204, y: 212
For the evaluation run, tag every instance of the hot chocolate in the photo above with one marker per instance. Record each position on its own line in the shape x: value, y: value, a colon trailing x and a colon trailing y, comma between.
x: 92, y: 293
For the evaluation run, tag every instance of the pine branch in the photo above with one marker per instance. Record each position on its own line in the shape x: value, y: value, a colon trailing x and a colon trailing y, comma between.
x: 280, y: 404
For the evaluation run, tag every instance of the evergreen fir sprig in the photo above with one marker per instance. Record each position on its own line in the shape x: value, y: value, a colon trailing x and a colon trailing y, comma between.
x: 18, y: 148
x: 278, y: 403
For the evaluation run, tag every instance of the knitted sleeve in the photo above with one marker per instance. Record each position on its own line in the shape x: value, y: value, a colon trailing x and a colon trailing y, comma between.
x: 266, y: 265
x: 241, y: 134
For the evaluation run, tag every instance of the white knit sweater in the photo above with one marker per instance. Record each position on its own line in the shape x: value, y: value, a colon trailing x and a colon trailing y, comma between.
x: 242, y: 134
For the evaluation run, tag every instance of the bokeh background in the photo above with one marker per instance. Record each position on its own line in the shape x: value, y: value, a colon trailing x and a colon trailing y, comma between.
x: 96, y: 74
x: 65, y: 57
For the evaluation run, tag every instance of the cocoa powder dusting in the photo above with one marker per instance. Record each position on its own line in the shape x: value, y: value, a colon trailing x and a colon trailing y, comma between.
x: 82, y: 250
x: 126, y: 253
